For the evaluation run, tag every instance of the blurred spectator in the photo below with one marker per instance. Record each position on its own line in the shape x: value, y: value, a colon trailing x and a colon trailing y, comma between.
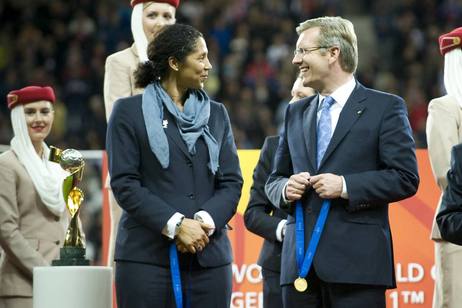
x: 65, y: 44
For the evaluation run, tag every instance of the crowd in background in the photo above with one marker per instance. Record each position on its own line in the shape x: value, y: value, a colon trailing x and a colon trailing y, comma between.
x: 65, y: 43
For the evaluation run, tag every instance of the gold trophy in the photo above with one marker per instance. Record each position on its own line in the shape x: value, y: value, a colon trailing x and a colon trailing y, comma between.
x: 73, y: 251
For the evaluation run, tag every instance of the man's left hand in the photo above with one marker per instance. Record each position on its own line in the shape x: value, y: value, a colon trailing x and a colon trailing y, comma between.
x: 327, y: 185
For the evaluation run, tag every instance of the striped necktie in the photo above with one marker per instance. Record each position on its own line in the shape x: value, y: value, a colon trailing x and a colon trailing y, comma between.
x: 324, y: 131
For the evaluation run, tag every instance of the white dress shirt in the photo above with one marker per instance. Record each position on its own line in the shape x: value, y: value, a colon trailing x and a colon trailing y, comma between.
x: 169, y: 229
x: 340, y: 95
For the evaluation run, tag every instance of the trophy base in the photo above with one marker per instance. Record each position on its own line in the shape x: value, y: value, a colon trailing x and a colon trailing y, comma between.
x: 71, y: 256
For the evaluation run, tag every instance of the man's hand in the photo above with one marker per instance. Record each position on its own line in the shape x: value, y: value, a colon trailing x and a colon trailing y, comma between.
x: 327, y: 185
x: 192, y: 236
x: 296, y: 186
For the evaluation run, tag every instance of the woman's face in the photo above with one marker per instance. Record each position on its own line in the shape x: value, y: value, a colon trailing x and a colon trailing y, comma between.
x: 155, y: 16
x: 39, y: 119
x: 194, y: 70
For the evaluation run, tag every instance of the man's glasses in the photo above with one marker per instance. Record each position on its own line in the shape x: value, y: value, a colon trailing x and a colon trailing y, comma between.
x: 305, y: 51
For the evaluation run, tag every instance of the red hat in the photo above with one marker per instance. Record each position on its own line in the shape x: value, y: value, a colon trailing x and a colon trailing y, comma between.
x: 450, y: 41
x: 29, y: 95
x: 174, y: 3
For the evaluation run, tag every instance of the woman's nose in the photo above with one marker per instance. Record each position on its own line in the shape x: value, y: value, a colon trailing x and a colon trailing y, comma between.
x: 38, y: 116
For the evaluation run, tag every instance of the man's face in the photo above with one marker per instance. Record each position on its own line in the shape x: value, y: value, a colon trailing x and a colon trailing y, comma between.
x: 312, y: 61
x: 299, y: 91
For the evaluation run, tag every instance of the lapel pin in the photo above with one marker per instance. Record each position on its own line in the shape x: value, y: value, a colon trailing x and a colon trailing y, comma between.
x: 359, y: 112
x: 164, y: 123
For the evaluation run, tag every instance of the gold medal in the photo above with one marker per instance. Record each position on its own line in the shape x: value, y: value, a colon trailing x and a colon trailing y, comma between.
x: 300, y: 284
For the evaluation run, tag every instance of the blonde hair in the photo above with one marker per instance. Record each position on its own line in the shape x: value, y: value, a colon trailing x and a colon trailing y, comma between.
x: 339, y: 32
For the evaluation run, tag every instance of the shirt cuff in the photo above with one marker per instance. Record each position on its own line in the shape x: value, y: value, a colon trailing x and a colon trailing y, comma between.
x: 205, y: 217
x: 344, y: 193
x: 284, y: 193
x: 280, y: 230
x: 169, y: 229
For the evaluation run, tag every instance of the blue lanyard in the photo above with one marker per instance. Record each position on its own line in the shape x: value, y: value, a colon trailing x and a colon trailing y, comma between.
x: 304, y: 261
x: 176, y: 278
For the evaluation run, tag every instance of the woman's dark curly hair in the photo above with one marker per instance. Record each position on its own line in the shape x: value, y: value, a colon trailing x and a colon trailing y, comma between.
x: 176, y: 41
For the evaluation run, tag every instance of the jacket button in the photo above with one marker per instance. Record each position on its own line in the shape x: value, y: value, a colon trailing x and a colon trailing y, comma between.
x: 309, y: 210
x: 189, y: 164
x: 56, y: 218
x: 57, y: 242
x: 191, y: 196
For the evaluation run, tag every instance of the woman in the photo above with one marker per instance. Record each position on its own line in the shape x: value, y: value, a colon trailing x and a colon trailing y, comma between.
x: 175, y: 172
x: 444, y: 130
x: 32, y: 209
x: 148, y: 17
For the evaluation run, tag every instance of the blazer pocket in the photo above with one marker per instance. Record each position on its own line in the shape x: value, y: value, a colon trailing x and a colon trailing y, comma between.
x: 366, y: 213
x: 365, y: 220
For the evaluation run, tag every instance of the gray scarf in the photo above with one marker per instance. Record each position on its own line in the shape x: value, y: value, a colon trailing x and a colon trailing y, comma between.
x: 192, y: 123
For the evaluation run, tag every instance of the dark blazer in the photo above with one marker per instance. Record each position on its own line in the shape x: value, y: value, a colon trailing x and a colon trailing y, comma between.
x: 261, y: 217
x: 449, y: 217
x: 373, y: 148
x: 150, y: 195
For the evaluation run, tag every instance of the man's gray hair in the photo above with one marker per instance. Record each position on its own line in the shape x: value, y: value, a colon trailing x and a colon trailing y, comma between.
x: 339, y: 32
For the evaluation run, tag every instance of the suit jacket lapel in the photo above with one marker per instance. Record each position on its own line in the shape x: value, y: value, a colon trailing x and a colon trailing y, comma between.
x: 309, y: 130
x: 351, y: 112
x: 173, y: 133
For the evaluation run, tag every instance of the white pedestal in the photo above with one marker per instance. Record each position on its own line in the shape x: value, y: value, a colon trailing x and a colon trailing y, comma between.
x: 72, y: 287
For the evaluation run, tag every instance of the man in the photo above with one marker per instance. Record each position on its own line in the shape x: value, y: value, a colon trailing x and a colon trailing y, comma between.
x: 299, y: 91
x: 444, y: 130
x: 350, y: 145
x: 266, y: 220
x: 449, y: 218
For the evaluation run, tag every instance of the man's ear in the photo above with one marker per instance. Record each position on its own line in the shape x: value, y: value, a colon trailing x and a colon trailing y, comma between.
x: 334, y: 53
